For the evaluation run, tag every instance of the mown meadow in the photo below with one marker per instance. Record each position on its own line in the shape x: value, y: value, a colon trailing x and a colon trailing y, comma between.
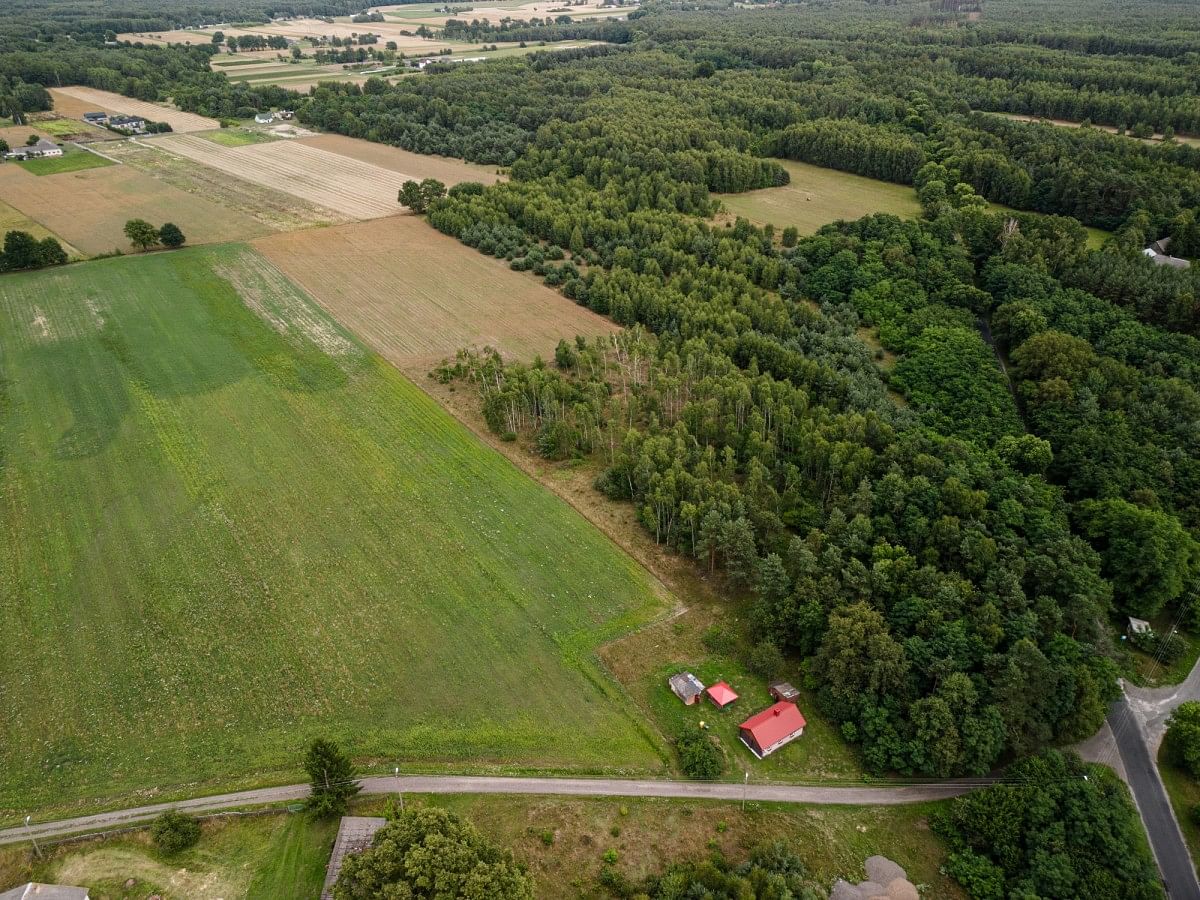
x: 226, y: 527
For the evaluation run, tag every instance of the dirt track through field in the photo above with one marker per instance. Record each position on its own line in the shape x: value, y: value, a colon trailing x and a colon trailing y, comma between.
x: 348, y: 186
x: 109, y: 102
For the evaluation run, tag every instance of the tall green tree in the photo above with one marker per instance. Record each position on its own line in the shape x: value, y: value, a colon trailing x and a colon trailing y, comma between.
x: 141, y: 233
x: 434, y: 854
x: 1182, y: 740
x: 332, y: 778
x: 1148, y: 556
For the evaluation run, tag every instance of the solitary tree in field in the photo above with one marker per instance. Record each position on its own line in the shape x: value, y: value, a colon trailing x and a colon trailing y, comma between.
x: 4, y: 148
x: 170, y: 236
x: 332, y: 777
x: 141, y: 233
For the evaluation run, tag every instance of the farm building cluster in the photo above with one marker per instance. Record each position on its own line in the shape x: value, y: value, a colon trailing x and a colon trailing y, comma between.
x: 43, y: 148
x: 764, y: 732
x: 131, y: 124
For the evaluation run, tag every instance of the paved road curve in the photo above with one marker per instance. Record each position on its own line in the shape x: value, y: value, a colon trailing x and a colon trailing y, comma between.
x: 465, y: 784
x: 1166, y: 840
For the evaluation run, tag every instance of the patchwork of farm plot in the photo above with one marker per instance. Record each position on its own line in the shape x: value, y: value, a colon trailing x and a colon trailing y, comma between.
x: 274, y: 210
x: 253, y: 530
x: 417, y: 296
x: 89, y: 208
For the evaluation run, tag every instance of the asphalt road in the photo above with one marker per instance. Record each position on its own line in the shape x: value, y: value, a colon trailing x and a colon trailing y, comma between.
x: 1166, y: 840
x: 465, y: 784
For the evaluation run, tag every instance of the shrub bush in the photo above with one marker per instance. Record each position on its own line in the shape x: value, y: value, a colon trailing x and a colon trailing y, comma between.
x: 175, y: 831
x: 699, y: 757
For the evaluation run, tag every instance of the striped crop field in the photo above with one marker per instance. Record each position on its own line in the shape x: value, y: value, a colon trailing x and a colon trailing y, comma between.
x: 226, y: 527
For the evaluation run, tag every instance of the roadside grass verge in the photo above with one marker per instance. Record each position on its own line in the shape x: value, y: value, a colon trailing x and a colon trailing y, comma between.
x: 1184, y: 791
x: 253, y: 531
x: 560, y: 839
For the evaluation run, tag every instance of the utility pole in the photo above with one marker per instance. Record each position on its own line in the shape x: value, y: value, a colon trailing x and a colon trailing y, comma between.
x: 398, y: 790
x: 37, y: 850
x: 745, y: 788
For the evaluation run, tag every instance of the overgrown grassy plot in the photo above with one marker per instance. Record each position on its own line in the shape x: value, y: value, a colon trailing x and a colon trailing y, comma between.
x: 817, y: 196
x: 226, y: 527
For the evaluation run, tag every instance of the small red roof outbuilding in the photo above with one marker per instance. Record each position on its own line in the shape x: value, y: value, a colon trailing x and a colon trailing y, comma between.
x: 767, y: 731
x: 721, y: 694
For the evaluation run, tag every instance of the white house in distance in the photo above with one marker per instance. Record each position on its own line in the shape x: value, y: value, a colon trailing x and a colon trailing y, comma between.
x: 264, y: 118
x: 43, y: 148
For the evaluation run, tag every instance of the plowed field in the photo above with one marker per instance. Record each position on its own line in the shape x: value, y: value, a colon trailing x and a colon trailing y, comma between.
x: 349, y: 186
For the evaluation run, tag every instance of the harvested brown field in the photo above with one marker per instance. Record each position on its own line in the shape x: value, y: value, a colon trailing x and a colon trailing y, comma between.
x: 416, y: 295
x: 89, y: 208
x: 88, y: 99
x: 346, y: 185
x: 15, y: 135
x: 12, y: 219
x: 446, y: 169
x: 273, y: 209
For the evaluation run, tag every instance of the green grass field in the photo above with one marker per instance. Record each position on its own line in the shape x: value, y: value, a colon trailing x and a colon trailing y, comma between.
x: 60, y: 127
x: 256, y: 857
x: 72, y: 160
x: 817, y: 196
x: 227, y: 528
x: 236, y: 137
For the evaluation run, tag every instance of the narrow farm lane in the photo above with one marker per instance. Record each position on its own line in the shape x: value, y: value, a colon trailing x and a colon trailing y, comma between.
x: 466, y: 784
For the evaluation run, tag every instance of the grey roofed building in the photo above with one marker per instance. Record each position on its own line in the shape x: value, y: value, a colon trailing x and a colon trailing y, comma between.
x: 1157, y: 253
x: 35, y: 891
x: 1139, y: 626
x: 355, y: 834
x: 782, y: 690
x: 687, y: 687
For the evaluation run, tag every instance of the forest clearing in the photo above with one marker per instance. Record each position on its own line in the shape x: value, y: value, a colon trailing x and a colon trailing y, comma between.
x: 816, y: 196
x: 149, y: 393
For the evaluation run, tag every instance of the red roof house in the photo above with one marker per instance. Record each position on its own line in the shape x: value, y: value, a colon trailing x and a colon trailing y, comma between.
x: 767, y: 731
x: 721, y: 694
